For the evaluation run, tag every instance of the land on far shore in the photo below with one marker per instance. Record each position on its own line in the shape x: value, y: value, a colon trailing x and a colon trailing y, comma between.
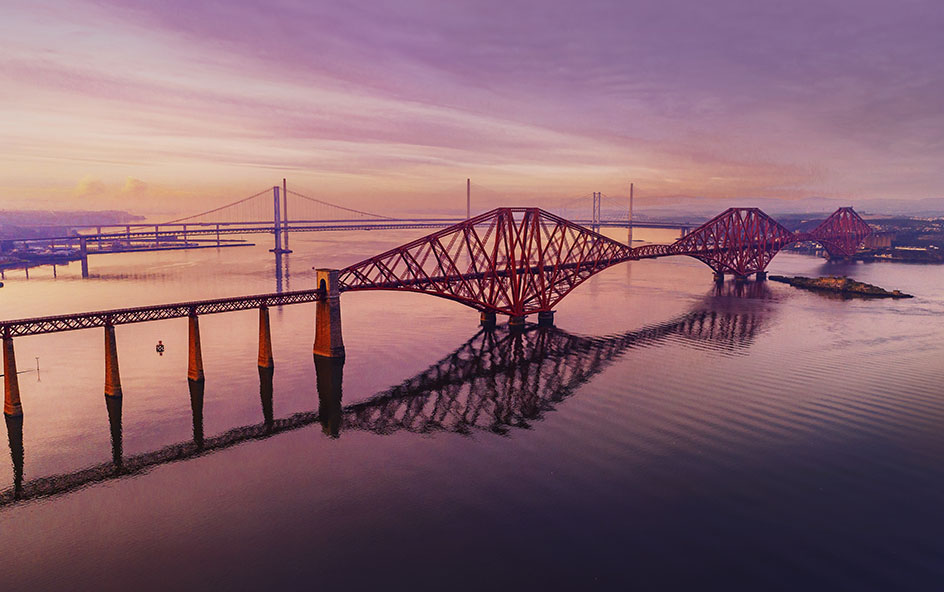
x: 901, y: 239
x: 42, y: 223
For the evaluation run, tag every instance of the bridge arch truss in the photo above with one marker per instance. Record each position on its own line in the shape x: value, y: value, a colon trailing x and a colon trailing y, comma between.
x: 513, y: 261
x: 518, y: 261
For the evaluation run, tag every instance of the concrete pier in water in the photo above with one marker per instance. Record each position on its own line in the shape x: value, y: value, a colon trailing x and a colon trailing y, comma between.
x: 11, y: 385
x: 112, y: 379
x: 265, y: 339
x: 83, y: 252
x: 195, y: 354
x: 328, y: 341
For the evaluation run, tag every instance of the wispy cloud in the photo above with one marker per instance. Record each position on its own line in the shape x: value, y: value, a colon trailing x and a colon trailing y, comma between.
x: 728, y: 98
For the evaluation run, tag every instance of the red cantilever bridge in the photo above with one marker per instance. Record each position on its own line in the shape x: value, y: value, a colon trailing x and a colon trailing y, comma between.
x: 512, y: 261
x: 519, y: 261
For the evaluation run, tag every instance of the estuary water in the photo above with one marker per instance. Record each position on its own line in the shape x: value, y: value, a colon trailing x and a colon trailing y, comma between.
x: 665, y: 434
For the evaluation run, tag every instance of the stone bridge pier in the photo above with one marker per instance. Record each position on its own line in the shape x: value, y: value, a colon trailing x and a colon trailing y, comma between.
x: 11, y: 386
x: 328, y: 341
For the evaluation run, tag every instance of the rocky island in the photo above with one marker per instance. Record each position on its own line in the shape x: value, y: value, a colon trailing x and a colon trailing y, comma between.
x: 839, y: 284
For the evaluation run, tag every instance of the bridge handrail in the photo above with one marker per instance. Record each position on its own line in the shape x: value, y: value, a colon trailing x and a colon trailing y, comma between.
x: 140, y: 314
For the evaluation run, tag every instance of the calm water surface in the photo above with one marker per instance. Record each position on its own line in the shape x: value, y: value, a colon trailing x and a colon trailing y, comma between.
x: 665, y: 434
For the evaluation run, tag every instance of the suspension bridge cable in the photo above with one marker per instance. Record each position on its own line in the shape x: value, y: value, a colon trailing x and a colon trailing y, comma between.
x: 325, y: 203
x: 488, y: 189
x: 235, y: 203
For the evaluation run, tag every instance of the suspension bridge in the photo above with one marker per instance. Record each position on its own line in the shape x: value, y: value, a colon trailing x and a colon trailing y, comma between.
x: 267, y: 212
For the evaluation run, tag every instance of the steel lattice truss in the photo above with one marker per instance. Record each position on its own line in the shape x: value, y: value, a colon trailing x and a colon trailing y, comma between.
x: 518, y: 261
x: 513, y: 261
x: 122, y: 316
x: 738, y: 241
x: 841, y: 233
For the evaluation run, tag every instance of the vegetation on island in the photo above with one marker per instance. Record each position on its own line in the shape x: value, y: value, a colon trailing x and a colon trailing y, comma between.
x: 839, y: 284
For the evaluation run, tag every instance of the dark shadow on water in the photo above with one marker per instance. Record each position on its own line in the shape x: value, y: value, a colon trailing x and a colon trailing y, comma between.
x: 330, y: 375
x: 498, y: 380
x: 830, y: 295
x: 265, y: 395
x: 113, y: 404
x: 197, y: 388
x: 838, y: 267
x: 15, y: 436
x: 748, y: 290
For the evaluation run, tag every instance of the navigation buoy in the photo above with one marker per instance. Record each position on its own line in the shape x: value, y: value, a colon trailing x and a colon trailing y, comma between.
x: 159, y: 348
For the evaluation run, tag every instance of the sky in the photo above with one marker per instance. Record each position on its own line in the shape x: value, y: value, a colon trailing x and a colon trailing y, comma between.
x: 174, y: 105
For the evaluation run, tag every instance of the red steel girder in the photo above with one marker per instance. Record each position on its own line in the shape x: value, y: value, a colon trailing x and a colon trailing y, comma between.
x: 842, y: 233
x: 140, y: 314
x: 738, y: 241
x: 513, y: 261
x: 518, y: 261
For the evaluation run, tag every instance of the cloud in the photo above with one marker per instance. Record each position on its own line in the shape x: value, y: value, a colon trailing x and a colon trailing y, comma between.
x: 90, y: 186
x: 729, y: 98
x: 134, y: 187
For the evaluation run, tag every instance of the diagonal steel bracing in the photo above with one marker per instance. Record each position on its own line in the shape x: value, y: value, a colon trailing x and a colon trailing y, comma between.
x: 841, y: 233
x: 122, y: 316
x: 514, y: 261
x: 518, y: 261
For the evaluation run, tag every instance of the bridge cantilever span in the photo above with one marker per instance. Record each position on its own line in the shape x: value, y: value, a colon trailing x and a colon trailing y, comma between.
x: 742, y: 241
x: 519, y: 261
x: 513, y: 261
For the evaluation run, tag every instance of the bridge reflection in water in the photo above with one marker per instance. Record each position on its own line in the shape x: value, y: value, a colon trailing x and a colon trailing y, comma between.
x: 499, y: 379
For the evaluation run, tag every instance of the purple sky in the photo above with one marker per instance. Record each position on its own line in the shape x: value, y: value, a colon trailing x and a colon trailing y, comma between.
x: 150, y: 105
